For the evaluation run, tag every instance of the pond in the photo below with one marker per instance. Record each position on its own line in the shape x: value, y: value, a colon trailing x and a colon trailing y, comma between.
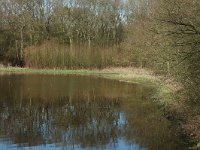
x: 81, y: 113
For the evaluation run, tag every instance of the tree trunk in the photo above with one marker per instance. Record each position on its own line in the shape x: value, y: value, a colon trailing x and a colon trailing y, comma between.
x: 71, y: 44
x: 168, y: 67
x: 21, y: 44
x: 89, y: 42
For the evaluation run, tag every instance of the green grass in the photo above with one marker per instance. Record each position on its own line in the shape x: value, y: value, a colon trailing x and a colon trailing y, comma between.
x: 50, y: 71
x: 95, y: 72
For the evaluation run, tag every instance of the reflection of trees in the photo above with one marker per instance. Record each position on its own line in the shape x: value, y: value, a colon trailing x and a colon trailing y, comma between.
x: 70, y: 120
x: 49, y: 87
x: 146, y: 126
x: 80, y: 111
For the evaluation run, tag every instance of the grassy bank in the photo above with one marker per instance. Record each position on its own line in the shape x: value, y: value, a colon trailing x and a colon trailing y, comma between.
x: 166, y: 96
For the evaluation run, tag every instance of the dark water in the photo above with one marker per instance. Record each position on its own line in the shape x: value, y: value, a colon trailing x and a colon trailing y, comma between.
x: 81, y: 113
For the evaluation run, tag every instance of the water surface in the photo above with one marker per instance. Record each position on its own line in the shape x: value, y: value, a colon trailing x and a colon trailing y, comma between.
x: 81, y: 113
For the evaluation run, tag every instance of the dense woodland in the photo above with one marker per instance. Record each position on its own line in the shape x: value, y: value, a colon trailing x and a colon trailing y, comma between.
x: 162, y: 35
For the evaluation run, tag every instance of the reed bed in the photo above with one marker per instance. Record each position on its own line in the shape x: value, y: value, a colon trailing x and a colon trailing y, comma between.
x: 53, y: 55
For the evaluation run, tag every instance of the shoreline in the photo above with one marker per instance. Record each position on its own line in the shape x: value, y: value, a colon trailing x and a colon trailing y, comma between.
x: 127, y: 74
x: 166, y: 89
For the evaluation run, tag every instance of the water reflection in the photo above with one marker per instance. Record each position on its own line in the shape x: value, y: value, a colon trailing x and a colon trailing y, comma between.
x: 73, y: 112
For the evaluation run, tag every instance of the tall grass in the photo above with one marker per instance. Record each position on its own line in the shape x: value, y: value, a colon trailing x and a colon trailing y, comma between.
x: 54, y: 55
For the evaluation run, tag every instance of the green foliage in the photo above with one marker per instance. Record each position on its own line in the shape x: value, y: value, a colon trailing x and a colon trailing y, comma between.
x: 178, y: 22
x: 164, y: 36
